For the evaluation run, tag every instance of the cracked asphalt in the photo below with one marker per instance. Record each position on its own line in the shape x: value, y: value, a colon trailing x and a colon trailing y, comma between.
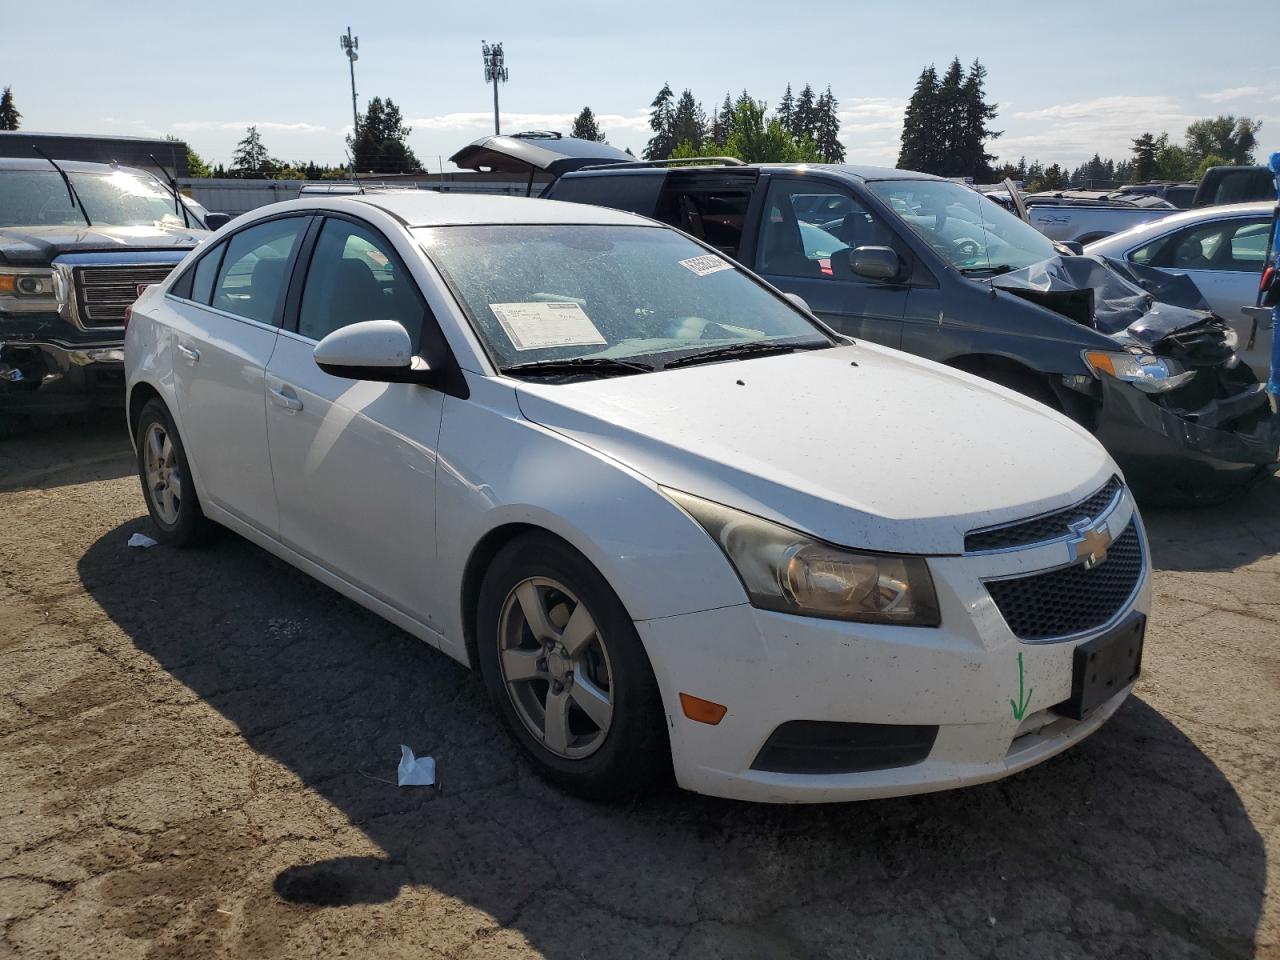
x: 198, y: 752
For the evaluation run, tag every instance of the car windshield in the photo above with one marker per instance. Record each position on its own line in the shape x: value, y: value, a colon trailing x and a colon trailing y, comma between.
x: 39, y: 198
x: 970, y: 231
x: 640, y: 294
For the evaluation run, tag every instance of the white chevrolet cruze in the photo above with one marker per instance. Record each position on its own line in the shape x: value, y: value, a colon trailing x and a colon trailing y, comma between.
x: 673, y: 519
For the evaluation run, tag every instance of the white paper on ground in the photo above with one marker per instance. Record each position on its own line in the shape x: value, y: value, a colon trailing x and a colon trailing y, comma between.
x: 141, y: 540
x: 705, y: 264
x: 535, y: 325
x: 416, y: 771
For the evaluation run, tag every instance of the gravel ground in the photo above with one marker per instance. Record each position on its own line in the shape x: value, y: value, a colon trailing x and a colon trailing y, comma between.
x: 198, y: 750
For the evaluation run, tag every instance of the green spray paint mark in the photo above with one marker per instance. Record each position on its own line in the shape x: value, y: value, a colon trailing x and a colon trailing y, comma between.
x: 1020, y: 707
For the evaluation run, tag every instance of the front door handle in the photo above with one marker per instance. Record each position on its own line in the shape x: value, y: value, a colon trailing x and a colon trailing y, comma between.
x: 285, y: 397
x: 193, y: 356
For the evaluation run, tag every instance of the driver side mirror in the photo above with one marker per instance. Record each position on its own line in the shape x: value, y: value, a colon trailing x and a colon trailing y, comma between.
x: 377, y: 350
x: 215, y: 220
x: 876, y: 263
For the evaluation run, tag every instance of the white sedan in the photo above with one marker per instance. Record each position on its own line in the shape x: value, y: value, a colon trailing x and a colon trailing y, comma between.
x: 1222, y: 249
x: 673, y: 520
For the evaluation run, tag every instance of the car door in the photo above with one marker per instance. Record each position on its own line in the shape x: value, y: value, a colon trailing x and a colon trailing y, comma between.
x: 354, y: 461
x: 1224, y: 258
x: 805, y: 232
x: 222, y: 345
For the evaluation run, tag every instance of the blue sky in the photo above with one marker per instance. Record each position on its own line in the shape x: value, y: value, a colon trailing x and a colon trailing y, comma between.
x: 1066, y: 85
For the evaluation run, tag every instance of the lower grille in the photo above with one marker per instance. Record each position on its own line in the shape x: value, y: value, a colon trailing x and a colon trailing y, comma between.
x: 1071, y: 600
x: 103, y: 293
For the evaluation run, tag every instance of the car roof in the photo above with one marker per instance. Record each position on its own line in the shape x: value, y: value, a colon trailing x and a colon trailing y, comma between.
x: 71, y: 166
x: 856, y: 171
x: 427, y: 208
x: 1185, y: 218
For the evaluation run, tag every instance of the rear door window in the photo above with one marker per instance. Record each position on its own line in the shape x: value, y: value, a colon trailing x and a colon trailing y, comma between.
x: 714, y: 215
x: 255, y: 270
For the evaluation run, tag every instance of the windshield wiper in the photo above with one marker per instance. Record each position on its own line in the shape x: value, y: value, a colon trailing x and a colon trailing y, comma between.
x: 733, y: 351
x: 601, y: 366
x: 71, y: 191
x: 999, y: 268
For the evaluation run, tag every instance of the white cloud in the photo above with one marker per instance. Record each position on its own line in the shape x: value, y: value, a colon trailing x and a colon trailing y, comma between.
x: 563, y: 122
x: 1233, y: 93
x: 1071, y: 133
x: 273, y: 126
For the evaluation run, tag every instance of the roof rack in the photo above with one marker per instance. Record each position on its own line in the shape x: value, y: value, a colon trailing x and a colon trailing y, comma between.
x: 682, y: 161
x: 537, y: 135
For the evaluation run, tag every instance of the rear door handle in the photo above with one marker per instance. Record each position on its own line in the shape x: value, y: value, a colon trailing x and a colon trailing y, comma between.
x: 285, y: 397
x: 193, y: 356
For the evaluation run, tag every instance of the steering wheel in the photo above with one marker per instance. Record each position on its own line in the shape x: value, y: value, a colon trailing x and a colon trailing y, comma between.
x: 968, y: 249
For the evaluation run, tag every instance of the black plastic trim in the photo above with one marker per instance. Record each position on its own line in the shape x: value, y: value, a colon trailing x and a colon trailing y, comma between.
x: 827, y: 747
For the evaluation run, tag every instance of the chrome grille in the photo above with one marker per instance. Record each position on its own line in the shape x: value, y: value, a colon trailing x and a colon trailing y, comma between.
x: 103, y: 293
x: 1048, y: 526
x: 1072, y: 599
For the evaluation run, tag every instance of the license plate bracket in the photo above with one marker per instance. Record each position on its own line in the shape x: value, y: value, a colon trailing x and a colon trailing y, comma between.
x: 1103, y: 666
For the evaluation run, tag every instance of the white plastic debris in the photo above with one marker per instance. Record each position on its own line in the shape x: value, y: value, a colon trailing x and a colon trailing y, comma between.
x: 416, y: 771
x: 141, y: 540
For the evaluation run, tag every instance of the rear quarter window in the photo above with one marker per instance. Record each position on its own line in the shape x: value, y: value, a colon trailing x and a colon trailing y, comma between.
x: 634, y: 193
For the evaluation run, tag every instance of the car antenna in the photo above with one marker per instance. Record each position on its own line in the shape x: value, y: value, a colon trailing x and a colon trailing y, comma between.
x: 354, y: 175
x: 71, y: 191
x: 179, y: 207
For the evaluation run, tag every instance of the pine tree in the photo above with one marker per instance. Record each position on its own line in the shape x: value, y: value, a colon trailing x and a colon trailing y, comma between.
x: 251, y: 158
x: 827, y: 129
x: 585, y: 127
x: 951, y: 113
x: 661, y: 122
x: 1144, y: 158
x: 805, y: 118
x: 378, y: 145
x: 920, y: 125
x: 723, y: 122
x: 689, y: 121
x: 970, y: 140
x: 10, y: 118
x: 786, y: 114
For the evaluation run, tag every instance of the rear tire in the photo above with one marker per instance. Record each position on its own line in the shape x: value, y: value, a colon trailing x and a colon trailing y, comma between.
x: 565, y: 668
x: 165, y: 475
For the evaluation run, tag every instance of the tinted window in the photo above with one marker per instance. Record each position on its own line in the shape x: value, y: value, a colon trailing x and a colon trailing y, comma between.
x: 714, y: 216
x: 354, y: 276
x: 1231, y: 245
x: 205, y: 273
x: 807, y: 225
x: 254, y: 273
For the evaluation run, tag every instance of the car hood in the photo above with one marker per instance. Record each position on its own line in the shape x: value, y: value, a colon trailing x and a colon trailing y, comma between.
x: 38, y: 245
x: 861, y: 445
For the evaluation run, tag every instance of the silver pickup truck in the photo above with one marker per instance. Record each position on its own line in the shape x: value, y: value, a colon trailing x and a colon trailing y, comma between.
x: 1084, y: 216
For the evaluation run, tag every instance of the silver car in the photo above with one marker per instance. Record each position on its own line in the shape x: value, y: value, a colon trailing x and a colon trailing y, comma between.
x: 1222, y: 250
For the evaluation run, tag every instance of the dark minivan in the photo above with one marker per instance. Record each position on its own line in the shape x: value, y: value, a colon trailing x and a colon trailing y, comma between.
x: 931, y: 266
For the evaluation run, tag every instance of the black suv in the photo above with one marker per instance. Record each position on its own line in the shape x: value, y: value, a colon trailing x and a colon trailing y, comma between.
x: 930, y: 266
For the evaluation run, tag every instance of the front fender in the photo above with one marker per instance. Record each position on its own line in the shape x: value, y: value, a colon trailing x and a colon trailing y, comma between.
x: 497, y: 468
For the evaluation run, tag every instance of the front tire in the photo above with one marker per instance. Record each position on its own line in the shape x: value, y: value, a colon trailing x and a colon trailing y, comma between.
x: 166, y: 480
x: 563, y: 664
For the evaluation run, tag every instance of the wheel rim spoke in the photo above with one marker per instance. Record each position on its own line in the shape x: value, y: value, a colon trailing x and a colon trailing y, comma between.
x: 556, y: 728
x: 155, y: 444
x: 521, y: 665
x: 578, y: 631
x: 166, y: 453
x: 593, y: 701
x: 535, y: 612
x: 175, y: 485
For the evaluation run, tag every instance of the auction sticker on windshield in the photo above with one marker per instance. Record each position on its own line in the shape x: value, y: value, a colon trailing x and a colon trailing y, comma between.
x: 537, y: 325
x: 708, y: 263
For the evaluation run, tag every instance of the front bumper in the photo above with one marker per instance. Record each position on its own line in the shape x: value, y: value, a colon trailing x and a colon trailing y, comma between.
x: 771, y: 668
x: 48, y: 365
x: 1163, y: 452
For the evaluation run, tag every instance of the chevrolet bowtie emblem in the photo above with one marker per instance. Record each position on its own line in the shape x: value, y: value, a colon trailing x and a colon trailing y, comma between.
x: 1090, y: 542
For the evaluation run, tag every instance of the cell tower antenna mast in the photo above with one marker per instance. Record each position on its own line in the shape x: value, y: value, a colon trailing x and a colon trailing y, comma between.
x: 495, y: 69
x: 350, y: 45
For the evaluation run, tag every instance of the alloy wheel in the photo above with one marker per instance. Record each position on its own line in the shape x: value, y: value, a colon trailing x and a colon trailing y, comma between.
x: 556, y: 668
x: 164, y: 473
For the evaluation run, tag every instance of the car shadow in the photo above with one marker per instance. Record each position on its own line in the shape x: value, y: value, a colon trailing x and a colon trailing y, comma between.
x: 58, y: 451
x: 1220, y: 537
x: 1131, y: 844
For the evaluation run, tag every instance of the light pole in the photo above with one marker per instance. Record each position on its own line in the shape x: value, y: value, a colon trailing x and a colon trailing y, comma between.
x: 494, y: 70
x: 350, y: 45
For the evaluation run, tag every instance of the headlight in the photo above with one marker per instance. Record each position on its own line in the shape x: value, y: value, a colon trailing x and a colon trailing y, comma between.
x: 788, y: 571
x: 29, y: 289
x: 1147, y: 373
